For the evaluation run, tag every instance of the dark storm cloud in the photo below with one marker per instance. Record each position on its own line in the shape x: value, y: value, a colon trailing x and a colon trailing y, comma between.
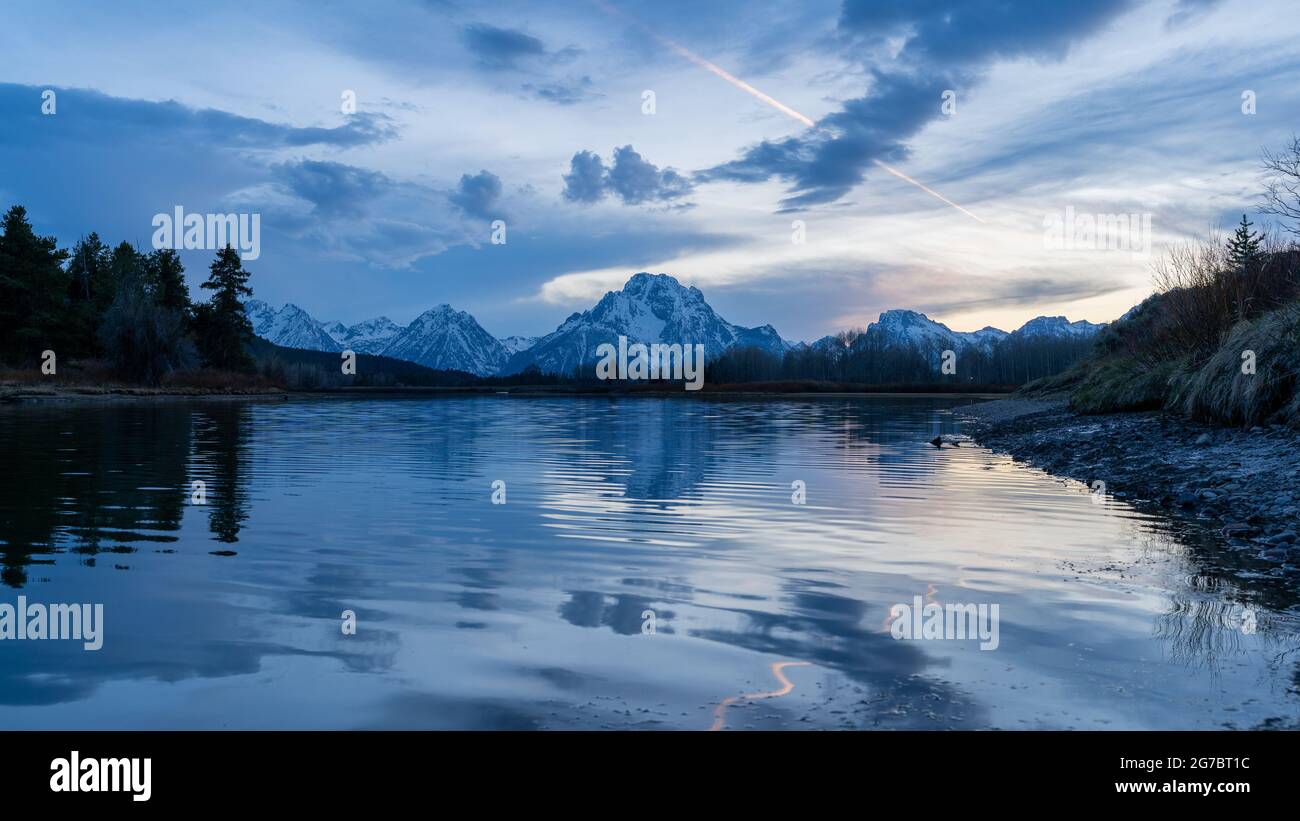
x: 945, y: 46
x: 630, y: 177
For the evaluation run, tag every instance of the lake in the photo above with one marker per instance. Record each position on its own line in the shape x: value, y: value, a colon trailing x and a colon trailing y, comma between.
x: 584, y: 563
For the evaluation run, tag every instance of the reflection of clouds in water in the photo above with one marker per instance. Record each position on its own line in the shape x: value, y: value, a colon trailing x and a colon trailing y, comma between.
x: 827, y: 630
x: 624, y: 615
x: 617, y: 506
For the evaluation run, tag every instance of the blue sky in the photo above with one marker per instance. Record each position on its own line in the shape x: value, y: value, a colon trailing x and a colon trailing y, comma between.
x: 534, y: 114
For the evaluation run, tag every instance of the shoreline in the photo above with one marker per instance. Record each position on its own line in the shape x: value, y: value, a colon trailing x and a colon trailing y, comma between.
x: 1242, y: 484
x: 24, y: 394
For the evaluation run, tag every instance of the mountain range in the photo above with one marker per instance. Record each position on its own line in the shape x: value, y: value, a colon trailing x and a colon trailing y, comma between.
x: 649, y: 308
x: 899, y: 327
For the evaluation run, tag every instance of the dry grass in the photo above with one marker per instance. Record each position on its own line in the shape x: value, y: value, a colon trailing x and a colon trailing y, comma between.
x: 1221, y: 392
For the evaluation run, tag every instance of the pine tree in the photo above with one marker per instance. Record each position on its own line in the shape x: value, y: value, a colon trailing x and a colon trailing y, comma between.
x: 1244, y: 258
x: 125, y: 265
x: 87, y: 267
x: 1244, y: 247
x: 222, y: 327
x: 87, y: 272
x: 166, y: 278
x: 33, y: 291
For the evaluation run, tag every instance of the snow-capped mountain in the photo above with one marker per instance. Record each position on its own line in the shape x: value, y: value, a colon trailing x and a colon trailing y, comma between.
x: 441, y: 338
x: 289, y: 327
x: 448, y: 339
x: 1057, y: 326
x: 912, y: 329
x: 902, y: 328
x: 515, y: 344
x: 650, y: 308
x: 370, y: 336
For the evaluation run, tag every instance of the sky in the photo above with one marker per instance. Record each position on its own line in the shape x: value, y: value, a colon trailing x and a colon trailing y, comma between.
x: 618, y: 136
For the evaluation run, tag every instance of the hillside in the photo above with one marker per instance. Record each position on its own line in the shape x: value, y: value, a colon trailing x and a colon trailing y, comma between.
x: 1217, y: 345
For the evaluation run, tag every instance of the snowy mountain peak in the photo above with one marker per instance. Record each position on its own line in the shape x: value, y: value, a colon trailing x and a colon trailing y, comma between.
x: 911, y: 328
x: 1058, y: 326
x: 445, y: 338
x: 649, y: 308
x: 289, y: 327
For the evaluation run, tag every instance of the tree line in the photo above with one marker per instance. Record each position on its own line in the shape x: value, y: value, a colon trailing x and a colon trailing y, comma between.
x: 117, y: 304
x: 855, y: 357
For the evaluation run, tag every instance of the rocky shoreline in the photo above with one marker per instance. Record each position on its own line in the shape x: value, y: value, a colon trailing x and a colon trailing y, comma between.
x: 1245, y: 484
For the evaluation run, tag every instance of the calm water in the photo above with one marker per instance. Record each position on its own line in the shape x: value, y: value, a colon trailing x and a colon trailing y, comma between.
x: 533, y: 613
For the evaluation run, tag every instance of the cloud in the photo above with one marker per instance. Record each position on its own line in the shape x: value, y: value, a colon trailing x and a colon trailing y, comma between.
x: 630, y: 177
x: 477, y: 195
x: 334, y: 189
x: 561, y: 93
x: 499, y: 48
x: 636, y: 181
x: 585, y: 181
x: 829, y: 295
x: 83, y: 114
x: 943, y: 46
x: 1186, y: 11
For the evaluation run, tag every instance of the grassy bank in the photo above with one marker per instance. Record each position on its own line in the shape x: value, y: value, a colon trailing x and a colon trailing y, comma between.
x: 1218, y: 345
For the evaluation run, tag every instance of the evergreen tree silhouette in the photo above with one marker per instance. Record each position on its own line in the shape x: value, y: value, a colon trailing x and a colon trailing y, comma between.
x: 33, y: 291
x: 222, y: 328
x: 1243, y: 248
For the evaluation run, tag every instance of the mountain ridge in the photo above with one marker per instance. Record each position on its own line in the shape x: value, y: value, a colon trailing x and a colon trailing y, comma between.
x: 648, y: 308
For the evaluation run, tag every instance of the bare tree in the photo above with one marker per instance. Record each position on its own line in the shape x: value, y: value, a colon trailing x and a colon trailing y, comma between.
x: 1282, y: 184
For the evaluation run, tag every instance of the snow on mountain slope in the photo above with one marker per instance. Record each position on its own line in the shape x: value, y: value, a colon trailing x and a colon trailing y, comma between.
x: 650, y: 308
x: 370, y: 336
x: 902, y: 328
x: 515, y: 344
x: 448, y: 339
x: 289, y: 327
x: 899, y: 328
x: 1058, y: 326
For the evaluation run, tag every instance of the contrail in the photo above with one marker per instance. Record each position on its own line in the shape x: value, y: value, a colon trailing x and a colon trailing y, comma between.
x: 927, y: 189
x: 769, y: 100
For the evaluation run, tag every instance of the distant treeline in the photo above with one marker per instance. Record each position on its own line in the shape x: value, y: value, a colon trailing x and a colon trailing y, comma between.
x: 860, y: 358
